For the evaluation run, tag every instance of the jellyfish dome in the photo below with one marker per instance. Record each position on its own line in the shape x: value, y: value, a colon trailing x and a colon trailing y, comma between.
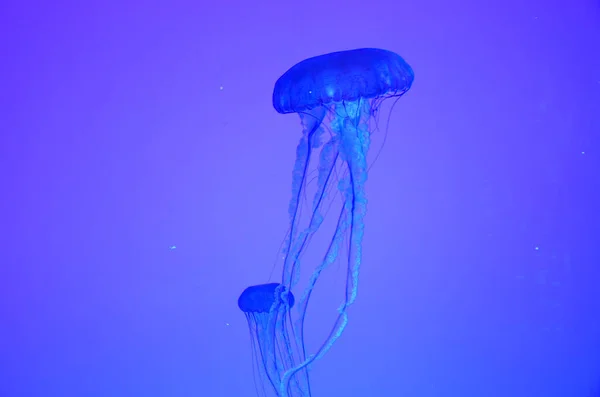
x: 264, y: 298
x: 336, y: 96
x: 341, y: 76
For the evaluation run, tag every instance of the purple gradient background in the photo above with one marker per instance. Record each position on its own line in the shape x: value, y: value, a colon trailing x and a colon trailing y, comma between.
x: 117, y: 142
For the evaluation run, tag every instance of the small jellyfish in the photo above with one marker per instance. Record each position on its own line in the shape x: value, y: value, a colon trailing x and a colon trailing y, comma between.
x: 267, y: 307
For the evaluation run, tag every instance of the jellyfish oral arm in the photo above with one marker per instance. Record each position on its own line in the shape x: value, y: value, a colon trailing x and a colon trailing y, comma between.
x: 355, y: 144
x: 328, y: 160
x: 312, y: 128
x: 298, y: 180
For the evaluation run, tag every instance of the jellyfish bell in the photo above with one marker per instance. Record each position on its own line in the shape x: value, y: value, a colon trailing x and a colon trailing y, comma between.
x: 264, y: 298
x: 342, y: 76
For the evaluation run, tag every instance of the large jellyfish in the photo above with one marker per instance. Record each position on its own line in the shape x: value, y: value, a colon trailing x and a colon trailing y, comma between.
x: 337, y: 96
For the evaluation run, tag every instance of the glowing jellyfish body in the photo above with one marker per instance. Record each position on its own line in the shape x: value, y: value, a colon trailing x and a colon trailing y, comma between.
x: 338, y: 92
x: 266, y: 307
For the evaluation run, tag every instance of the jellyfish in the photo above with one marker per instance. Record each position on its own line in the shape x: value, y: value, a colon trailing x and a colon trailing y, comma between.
x: 336, y: 96
x: 266, y: 307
